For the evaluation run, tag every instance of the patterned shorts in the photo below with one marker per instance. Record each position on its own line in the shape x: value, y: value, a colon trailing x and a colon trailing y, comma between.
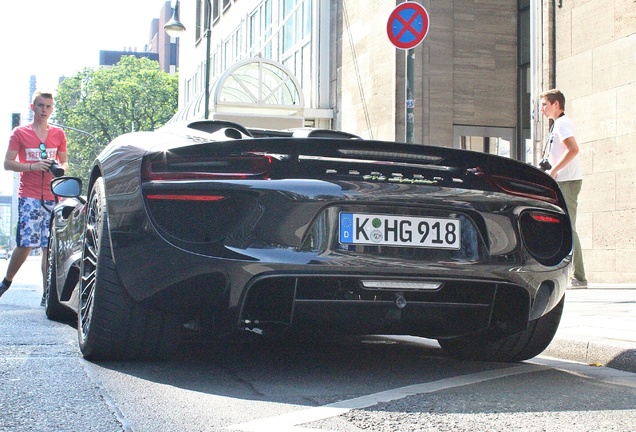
x: 33, y: 222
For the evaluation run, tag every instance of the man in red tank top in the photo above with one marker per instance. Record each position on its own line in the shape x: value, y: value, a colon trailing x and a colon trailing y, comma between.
x: 32, y: 150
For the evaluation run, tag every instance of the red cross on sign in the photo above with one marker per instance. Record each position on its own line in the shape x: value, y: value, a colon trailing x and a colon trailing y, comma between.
x: 407, y: 25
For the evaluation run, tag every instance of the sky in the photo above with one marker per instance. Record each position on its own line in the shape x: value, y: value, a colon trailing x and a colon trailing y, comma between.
x: 53, y: 38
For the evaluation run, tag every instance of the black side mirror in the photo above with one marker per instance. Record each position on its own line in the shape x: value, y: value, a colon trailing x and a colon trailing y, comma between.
x: 67, y: 187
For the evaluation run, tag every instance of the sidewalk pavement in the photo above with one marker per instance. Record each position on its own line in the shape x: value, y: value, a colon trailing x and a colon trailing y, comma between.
x: 598, y: 327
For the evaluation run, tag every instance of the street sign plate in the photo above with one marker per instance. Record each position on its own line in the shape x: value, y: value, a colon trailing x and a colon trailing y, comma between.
x: 408, y: 25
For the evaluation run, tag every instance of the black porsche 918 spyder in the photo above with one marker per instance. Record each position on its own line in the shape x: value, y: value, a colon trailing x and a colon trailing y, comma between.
x: 211, y: 228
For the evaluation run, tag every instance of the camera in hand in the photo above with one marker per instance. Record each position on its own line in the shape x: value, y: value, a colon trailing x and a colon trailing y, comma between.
x: 544, y: 165
x: 55, y: 169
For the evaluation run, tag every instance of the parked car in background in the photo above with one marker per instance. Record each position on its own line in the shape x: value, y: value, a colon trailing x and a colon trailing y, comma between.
x: 5, y: 254
x: 210, y: 228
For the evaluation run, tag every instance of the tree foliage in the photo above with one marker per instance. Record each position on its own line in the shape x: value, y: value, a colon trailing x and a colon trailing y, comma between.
x: 97, y: 105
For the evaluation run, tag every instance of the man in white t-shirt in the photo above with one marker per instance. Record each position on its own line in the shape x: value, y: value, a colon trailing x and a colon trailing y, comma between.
x: 563, y: 155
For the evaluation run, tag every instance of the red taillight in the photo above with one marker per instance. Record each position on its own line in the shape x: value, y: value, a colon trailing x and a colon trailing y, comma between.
x: 240, y: 167
x: 545, y: 218
x: 184, y: 197
x: 521, y: 187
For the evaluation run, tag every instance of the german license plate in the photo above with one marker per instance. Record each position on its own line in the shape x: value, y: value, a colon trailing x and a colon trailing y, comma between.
x: 390, y: 230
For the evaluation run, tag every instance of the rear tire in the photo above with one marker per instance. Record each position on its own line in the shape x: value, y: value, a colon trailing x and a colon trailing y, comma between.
x: 517, y: 347
x: 111, y: 324
x: 52, y: 307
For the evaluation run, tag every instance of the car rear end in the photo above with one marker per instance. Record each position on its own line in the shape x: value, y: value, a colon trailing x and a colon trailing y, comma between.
x: 351, y: 236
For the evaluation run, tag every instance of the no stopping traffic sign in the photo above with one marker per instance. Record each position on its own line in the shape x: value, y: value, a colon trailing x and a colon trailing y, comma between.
x: 407, y: 25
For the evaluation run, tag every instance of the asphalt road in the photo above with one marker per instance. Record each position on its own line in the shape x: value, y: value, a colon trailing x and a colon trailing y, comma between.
x: 347, y: 385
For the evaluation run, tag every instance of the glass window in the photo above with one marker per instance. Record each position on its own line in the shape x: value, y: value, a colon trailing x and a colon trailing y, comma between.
x: 255, y: 29
x: 296, y: 16
x: 199, y: 20
x: 492, y: 145
x: 215, y: 10
x: 288, y: 26
x: 231, y: 48
x: 189, y: 93
x: 306, y: 19
x: 296, y: 40
x: 202, y: 13
x: 280, y: 30
x: 492, y: 140
x: 260, y: 30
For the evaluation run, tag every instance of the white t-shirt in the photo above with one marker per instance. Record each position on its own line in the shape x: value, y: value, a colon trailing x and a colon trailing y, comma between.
x: 563, y: 129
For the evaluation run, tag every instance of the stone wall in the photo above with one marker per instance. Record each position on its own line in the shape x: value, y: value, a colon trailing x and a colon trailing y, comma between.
x: 363, y: 78
x: 465, y: 70
x: 596, y: 70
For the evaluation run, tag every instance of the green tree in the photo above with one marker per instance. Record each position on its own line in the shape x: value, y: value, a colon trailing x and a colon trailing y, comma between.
x: 133, y: 95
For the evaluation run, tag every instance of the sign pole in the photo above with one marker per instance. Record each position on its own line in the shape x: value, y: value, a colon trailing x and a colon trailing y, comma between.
x: 410, y: 102
x: 407, y: 27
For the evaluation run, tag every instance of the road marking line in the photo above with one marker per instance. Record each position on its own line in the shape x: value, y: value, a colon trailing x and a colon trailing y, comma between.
x: 287, y: 422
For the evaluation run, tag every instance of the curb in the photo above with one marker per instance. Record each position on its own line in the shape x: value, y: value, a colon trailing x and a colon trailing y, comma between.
x: 594, y: 353
x: 602, y: 286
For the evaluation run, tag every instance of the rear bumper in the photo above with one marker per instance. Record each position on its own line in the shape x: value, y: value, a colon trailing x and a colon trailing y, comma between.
x: 286, y: 290
x: 341, y: 304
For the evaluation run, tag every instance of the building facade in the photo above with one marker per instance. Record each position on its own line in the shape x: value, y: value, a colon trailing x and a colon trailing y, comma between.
x: 476, y: 80
x: 159, y: 42
x: 160, y: 47
x: 589, y: 52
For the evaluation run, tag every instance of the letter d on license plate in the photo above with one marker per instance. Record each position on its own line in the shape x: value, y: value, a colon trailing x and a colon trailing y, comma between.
x: 390, y: 230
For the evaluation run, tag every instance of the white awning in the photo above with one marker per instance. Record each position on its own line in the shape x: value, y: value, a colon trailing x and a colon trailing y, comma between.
x: 256, y: 91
